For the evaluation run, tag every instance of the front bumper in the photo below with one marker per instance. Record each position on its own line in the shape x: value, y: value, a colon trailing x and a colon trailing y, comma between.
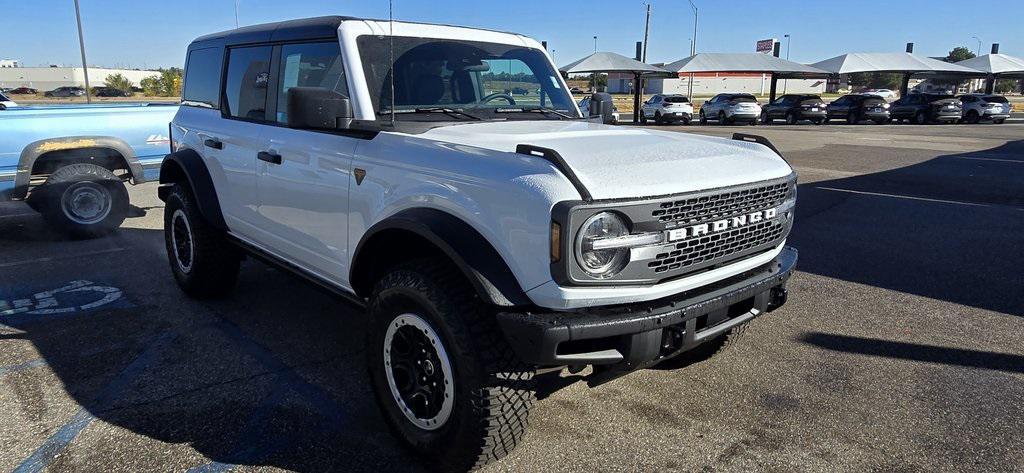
x: 638, y: 334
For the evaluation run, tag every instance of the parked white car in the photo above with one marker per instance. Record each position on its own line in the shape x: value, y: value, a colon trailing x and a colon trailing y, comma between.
x: 6, y: 102
x: 727, y: 109
x: 978, y: 107
x: 667, y: 108
x: 886, y: 94
x: 487, y: 236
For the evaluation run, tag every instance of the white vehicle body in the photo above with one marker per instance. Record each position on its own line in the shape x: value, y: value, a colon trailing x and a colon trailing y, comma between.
x: 729, y: 108
x: 484, y: 240
x: 668, y: 108
x: 985, y: 107
x: 884, y: 93
x: 584, y: 105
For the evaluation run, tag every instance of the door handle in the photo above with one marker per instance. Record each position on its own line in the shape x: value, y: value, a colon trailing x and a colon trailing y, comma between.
x: 213, y: 143
x: 272, y: 158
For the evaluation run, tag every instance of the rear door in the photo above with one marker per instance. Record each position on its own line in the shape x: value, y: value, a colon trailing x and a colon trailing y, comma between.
x: 303, y: 190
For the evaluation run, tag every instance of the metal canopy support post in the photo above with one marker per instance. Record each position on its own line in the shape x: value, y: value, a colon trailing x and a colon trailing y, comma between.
x: 905, y: 84
x: 990, y: 84
x: 775, y: 84
x: 637, y: 86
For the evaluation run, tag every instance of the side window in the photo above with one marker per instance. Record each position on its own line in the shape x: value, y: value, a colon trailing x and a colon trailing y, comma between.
x: 202, y: 78
x: 309, y: 65
x: 245, y: 88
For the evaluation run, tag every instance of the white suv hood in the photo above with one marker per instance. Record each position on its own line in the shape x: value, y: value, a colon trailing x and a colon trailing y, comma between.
x: 620, y: 162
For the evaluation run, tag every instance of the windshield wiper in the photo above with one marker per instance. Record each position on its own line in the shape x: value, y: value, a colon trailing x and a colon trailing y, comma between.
x: 534, y: 109
x: 445, y: 110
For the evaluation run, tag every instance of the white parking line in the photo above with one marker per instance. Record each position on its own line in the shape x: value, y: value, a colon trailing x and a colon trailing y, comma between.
x: 55, y: 258
x: 973, y: 158
x: 18, y: 215
x: 897, y: 196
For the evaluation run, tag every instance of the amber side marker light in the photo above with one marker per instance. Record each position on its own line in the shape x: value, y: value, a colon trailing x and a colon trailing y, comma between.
x: 556, y: 242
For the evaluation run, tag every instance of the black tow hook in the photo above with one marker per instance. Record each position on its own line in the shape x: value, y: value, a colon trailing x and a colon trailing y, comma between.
x: 778, y: 297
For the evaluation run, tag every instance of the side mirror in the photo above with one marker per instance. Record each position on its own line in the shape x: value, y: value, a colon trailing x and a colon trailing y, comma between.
x: 601, y: 107
x: 318, y: 108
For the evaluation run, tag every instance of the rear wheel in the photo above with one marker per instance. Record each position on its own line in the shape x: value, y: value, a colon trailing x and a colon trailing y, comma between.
x: 921, y: 118
x: 82, y: 200
x: 764, y: 118
x: 790, y: 118
x: 446, y: 380
x: 703, y: 119
x: 203, y: 261
x: 722, y: 120
x: 973, y: 117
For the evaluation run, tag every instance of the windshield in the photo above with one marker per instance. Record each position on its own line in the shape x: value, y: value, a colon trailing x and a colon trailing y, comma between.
x: 483, y: 79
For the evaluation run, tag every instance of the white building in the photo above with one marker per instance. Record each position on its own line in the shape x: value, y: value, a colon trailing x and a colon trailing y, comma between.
x: 10, y: 63
x: 49, y: 78
x: 713, y: 83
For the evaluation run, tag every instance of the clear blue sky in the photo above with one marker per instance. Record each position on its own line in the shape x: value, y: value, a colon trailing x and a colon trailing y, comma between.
x: 155, y: 33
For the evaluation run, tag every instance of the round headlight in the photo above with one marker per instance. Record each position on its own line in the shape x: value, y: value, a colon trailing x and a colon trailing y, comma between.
x: 606, y: 262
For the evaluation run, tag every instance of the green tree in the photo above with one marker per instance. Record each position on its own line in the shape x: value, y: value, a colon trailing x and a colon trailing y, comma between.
x: 167, y: 84
x: 1007, y: 86
x: 958, y: 54
x: 875, y: 80
x: 118, y: 82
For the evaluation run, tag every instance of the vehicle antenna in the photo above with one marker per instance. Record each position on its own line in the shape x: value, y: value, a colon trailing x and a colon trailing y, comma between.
x: 391, y: 56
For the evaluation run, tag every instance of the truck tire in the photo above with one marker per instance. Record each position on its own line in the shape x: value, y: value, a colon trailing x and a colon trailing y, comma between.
x: 463, y: 356
x: 203, y: 261
x: 707, y: 350
x: 82, y: 200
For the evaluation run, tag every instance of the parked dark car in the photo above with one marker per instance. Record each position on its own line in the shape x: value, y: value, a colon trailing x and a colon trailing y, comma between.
x: 927, y: 108
x: 24, y: 91
x: 855, y: 108
x: 795, y: 107
x: 110, y: 92
x: 66, y: 92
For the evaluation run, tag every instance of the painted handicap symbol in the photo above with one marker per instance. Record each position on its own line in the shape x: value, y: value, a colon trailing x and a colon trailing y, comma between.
x: 76, y: 296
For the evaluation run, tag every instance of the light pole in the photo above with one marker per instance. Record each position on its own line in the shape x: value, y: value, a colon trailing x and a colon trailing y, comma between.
x: 81, y: 45
x: 693, y: 49
x: 789, y: 43
x: 979, y: 45
x: 595, y: 73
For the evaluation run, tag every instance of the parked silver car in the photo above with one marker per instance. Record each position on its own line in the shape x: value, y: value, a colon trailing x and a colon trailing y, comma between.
x: 727, y: 109
x: 978, y: 107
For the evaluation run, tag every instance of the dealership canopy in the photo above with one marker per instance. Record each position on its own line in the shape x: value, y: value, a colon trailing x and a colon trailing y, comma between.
x: 610, y: 62
x: 891, y: 62
x: 745, y: 62
x: 996, y: 64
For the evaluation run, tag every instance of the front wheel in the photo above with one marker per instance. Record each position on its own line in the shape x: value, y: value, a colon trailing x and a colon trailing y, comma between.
x: 658, y: 120
x: 447, y: 382
x: 643, y: 118
x: 764, y: 118
x: 82, y: 200
x: 703, y: 119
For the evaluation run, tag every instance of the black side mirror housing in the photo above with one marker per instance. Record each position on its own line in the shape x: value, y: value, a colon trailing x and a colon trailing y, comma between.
x: 318, y: 108
x: 601, y: 107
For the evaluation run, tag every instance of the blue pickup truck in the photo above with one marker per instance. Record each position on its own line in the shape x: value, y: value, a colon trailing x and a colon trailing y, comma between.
x: 70, y: 163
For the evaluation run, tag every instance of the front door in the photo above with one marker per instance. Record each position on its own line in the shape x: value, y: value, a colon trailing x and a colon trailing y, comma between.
x: 304, y: 182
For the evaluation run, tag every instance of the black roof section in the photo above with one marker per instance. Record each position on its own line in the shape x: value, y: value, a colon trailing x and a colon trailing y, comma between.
x: 323, y: 27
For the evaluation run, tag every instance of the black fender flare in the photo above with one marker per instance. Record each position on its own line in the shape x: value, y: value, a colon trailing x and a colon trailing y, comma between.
x: 481, y: 264
x: 186, y: 165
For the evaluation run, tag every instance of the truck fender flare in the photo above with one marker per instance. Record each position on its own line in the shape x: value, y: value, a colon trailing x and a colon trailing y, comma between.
x: 475, y: 257
x: 187, y: 166
x: 35, y: 149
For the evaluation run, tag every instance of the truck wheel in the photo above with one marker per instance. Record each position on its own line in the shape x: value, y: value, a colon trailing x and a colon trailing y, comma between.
x: 203, y: 261
x: 446, y: 381
x: 707, y: 350
x: 82, y: 200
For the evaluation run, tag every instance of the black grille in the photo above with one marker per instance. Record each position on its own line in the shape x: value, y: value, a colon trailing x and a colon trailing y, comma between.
x: 717, y: 206
x: 719, y: 246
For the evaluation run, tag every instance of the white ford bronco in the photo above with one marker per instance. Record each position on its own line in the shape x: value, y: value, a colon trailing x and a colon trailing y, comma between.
x: 443, y: 179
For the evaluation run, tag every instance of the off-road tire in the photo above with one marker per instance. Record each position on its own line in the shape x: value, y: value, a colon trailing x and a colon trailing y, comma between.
x: 213, y: 262
x: 725, y: 342
x: 52, y: 198
x: 494, y: 390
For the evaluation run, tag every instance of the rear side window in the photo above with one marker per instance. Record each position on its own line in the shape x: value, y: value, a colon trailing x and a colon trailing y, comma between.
x: 309, y: 65
x: 245, y: 87
x: 202, y: 78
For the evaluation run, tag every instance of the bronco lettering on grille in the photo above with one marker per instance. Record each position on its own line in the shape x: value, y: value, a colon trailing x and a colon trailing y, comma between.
x: 721, y: 225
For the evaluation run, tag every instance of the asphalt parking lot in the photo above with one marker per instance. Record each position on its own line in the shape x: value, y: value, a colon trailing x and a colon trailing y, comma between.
x: 901, y: 347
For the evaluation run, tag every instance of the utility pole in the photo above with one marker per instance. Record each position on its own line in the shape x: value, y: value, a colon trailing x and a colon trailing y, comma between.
x: 643, y: 58
x: 789, y: 45
x: 693, y: 48
x: 979, y: 45
x: 595, y: 73
x: 81, y: 45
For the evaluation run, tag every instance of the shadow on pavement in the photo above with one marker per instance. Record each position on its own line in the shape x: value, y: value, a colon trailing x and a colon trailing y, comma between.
x: 950, y: 228
x: 272, y: 375
x: 916, y: 352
